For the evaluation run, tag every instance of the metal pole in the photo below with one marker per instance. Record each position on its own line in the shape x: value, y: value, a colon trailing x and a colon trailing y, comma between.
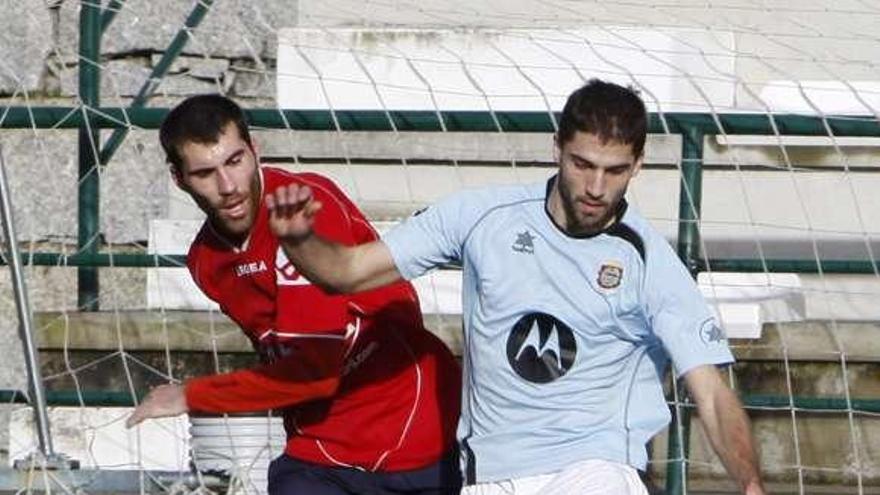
x: 149, y: 87
x: 25, y: 319
x: 109, y: 13
x: 688, y: 249
x: 690, y: 198
x: 88, y: 196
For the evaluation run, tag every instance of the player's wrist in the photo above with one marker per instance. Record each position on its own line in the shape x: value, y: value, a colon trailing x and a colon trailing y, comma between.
x: 295, y: 240
x: 754, y: 487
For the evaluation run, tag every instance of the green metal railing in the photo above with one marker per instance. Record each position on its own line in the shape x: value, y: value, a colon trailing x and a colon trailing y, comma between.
x: 89, y: 189
x: 89, y: 117
x: 453, y: 121
x: 692, y: 127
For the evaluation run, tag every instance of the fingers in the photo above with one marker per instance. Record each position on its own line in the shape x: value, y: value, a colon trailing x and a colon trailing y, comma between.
x: 162, y: 401
x: 136, y: 418
x: 141, y: 412
x: 292, y: 210
x: 289, y: 200
x: 312, y: 208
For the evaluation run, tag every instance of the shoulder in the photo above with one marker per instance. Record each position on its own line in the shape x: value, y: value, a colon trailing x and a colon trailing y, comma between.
x: 664, y: 271
x: 202, y: 253
x: 200, y: 243
x: 323, y: 187
x: 277, y: 176
x: 500, y: 196
x: 644, y: 237
x: 477, y: 203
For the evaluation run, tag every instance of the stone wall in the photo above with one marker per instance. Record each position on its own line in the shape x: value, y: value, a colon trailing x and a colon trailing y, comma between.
x: 232, y: 50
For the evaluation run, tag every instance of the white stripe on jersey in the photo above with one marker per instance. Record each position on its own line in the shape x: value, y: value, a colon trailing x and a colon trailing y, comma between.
x: 295, y: 335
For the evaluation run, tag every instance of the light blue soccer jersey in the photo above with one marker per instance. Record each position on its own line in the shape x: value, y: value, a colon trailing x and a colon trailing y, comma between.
x: 566, y: 338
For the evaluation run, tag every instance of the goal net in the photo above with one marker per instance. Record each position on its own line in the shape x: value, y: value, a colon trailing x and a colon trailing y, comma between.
x: 769, y: 110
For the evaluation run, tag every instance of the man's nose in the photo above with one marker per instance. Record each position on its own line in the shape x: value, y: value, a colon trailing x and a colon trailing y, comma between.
x: 224, y: 183
x: 596, y: 183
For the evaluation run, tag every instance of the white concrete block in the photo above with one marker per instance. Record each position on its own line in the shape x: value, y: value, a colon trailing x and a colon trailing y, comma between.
x: 97, y: 438
x: 743, y: 302
x: 173, y: 288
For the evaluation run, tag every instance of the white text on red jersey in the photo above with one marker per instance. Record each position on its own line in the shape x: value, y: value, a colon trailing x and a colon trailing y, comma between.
x: 245, y: 269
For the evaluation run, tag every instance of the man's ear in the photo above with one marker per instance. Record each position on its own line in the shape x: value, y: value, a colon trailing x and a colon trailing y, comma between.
x: 177, y: 176
x: 557, y: 149
x: 255, y: 149
x: 637, y: 166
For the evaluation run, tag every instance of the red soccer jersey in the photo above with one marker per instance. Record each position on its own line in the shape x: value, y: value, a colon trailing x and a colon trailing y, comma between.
x: 361, y: 382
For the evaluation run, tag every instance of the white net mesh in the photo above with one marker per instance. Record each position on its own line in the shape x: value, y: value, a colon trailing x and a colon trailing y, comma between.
x: 808, y: 370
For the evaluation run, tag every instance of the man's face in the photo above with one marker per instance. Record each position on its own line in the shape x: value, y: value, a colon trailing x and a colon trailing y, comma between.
x: 592, y: 181
x: 223, y: 179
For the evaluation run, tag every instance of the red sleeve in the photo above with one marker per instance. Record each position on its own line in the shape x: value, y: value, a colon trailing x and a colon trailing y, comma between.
x: 302, y: 307
x: 399, y: 297
x: 310, y: 372
x: 359, y: 229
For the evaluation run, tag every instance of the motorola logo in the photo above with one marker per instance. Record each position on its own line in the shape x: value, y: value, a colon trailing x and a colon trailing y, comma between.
x: 540, y: 348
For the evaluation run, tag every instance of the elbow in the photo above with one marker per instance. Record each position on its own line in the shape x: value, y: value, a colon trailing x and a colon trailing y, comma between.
x: 348, y: 287
x: 328, y: 387
x: 322, y: 389
x: 335, y: 287
x: 345, y: 280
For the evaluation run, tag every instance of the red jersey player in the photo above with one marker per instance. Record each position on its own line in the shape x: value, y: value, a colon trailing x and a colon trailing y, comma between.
x: 370, y: 398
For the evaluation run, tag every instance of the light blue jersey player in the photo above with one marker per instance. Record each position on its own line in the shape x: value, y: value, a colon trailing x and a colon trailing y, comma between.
x: 573, y: 308
x: 566, y: 336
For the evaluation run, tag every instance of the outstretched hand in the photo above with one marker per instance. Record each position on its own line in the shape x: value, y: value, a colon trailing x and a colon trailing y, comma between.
x: 292, y: 210
x: 162, y: 402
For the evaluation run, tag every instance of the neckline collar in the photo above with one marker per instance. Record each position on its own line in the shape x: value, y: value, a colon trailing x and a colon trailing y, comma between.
x: 619, y: 212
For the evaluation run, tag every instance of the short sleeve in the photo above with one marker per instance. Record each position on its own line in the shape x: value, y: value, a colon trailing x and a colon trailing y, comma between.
x: 432, y: 237
x: 678, y: 313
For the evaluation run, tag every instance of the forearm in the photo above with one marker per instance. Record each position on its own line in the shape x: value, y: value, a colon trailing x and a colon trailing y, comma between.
x: 326, y: 264
x: 243, y: 391
x: 335, y: 267
x: 341, y: 269
x: 286, y: 382
x: 729, y: 431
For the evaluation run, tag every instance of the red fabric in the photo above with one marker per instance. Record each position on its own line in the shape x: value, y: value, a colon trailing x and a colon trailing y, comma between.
x: 360, y: 380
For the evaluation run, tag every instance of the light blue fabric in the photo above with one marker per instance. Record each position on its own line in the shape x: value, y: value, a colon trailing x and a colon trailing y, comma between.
x: 566, y: 339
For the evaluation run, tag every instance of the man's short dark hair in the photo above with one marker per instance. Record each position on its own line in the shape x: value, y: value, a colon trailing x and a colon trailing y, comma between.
x: 607, y: 110
x: 199, y: 119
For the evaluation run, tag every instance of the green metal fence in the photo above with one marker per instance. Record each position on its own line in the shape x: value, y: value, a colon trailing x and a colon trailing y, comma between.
x: 90, y: 117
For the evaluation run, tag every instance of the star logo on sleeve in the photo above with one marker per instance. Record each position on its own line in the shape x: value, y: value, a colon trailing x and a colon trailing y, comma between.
x: 712, y: 333
x: 524, y: 243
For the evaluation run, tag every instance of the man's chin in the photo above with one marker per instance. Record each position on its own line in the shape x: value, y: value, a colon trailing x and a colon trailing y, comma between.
x: 234, y: 229
x: 590, y: 226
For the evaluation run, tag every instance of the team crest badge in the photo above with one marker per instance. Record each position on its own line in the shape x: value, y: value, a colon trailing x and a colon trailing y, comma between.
x: 610, y: 276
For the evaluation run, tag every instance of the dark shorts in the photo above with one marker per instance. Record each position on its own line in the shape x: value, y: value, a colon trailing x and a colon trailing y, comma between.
x: 289, y: 476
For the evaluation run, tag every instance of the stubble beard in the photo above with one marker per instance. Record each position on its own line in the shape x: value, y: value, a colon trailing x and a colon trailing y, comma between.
x: 238, y: 230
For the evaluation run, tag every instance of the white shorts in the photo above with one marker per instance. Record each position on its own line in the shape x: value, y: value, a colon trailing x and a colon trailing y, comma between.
x: 590, y: 477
